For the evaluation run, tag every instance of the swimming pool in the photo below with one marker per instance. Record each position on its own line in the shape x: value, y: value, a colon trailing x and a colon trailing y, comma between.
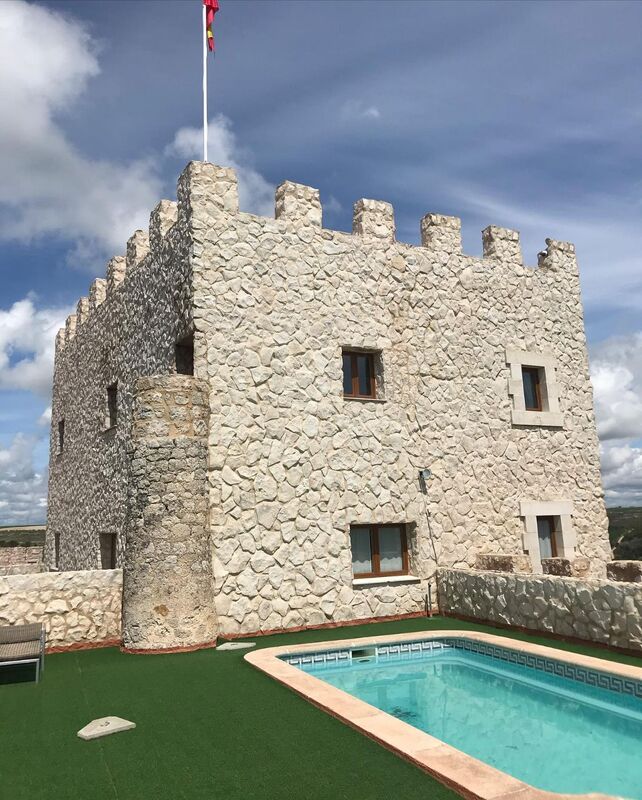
x: 555, y: 725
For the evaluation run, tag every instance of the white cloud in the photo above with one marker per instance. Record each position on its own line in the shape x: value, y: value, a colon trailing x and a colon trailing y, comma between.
x: 357, y: 109
x: 47, y: 186
x: 27, y: 346
x: 622, y: 474
x: 23, y: 489
x: 256, y: 195
x: 616, y: 372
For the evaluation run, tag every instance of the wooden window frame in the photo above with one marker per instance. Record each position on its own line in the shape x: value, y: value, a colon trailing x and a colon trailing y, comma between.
x: 553, y: 522
x: 370, y: 355
x: 376, y: 555
x: 538, y: 387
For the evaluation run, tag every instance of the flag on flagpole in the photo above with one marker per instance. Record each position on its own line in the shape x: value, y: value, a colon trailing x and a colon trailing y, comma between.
x: 211, y: 7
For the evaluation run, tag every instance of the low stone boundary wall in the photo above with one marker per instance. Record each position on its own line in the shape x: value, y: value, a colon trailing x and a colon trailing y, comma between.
x: 79, y: 609
x: 606, y: 612
x: 14, y: 560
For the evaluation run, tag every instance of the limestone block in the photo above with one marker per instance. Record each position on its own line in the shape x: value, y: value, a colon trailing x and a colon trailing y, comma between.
x: 162, y: 218
x: 205, y: 190
x: 503, y: 562
x: 374, y: 218
x: 502, y: 244
x: 97, y: 293
x: 116, y: 269
x: 70, y: 328
x: 441, y: 233
x: 629, y: 571
x: 105, y: 726
x: 557, y: 566
x: 298, y: 204
x: 137, y: 248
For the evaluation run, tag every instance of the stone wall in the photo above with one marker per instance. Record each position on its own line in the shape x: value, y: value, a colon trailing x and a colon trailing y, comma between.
x: 125, y: 329
x: 19, y: 560
x: 602, y: 611
x: 293, y: 463
x: 77, y: 608
x: 167, y: 593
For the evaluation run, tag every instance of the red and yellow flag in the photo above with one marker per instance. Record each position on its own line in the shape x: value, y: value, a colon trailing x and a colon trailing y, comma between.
x: 211, y: 7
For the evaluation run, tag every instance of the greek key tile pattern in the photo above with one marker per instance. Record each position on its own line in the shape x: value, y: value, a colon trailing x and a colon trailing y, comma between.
x: 407, y: 650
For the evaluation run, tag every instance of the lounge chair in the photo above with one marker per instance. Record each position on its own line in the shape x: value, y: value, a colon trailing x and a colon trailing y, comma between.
x: 23, y: 644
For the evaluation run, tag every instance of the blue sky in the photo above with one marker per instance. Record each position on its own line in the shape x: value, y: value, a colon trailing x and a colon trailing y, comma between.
x: 526, y: 115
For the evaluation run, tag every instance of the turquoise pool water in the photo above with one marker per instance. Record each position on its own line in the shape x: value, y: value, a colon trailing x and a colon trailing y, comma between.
x: 555, y: 733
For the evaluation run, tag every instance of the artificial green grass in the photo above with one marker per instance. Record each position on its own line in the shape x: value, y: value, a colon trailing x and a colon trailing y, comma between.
x: 208, y: 726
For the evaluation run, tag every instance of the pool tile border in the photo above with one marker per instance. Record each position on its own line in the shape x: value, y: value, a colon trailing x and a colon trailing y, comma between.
x: 471, y: 778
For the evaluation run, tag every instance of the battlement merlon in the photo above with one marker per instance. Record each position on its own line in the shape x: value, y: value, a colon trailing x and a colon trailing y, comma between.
x: 137, y: 248
x: 208, y: 187
x: 82, y: 311
x: 558, y: 256
x: 298, y: 204
x: 162, y: 218
x: 441, y: 233
x: 97, y: 294
x: 116, y: 269
x: 502, y: 244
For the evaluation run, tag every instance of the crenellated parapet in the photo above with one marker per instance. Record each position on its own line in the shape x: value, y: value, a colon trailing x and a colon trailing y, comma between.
x: 206, y: 192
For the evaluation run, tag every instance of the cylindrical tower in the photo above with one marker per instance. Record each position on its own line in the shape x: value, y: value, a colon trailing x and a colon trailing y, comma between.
x: 168, y: 601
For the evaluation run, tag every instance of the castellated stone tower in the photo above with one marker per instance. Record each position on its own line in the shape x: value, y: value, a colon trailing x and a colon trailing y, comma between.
x: 243, y: 406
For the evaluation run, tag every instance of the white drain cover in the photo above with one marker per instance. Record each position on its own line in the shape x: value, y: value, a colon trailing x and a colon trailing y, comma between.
x: 104, y: 726
x: 236, y: 646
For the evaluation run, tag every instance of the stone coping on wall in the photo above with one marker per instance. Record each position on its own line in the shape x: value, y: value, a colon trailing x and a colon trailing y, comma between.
x: 468, y: 776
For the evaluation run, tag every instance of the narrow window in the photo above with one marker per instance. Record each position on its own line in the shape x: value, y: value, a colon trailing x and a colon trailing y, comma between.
x: 184, y: 356
x: 531, y: 380
x: 359, y: 375
x: 108, y: 550
x: 379, y: 550
x: 112, y: 405
x: 547, y: 534
x: 57, y: 550
x: 61, y: 436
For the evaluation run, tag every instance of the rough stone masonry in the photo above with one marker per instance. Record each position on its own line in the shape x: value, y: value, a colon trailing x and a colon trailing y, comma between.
x: 283, y: 464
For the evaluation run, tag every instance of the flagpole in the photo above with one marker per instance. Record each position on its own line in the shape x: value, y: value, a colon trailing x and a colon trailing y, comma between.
x: 204, y: 83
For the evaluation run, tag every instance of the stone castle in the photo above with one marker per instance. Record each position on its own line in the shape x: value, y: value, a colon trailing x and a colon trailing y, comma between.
x: 271, y: 425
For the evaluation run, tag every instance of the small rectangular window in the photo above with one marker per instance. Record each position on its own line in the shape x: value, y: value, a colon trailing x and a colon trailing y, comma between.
x: 184, y: 356
x: 57, y: 550
x: 359, y: 375
x: 531, y: 380
x: 108, y: 550
x: 546, y: 532
x: 112, y: 406
x: 379, y: 550
x: 61, y: 436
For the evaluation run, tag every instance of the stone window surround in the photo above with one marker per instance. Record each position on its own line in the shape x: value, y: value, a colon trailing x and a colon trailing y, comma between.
x: 378, y: 363
x: 551, y: 416
x: 411, y: 545
x: 565, y: 539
